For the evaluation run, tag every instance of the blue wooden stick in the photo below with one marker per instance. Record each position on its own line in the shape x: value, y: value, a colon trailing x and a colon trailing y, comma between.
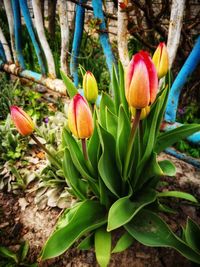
x: 191, y: 63
x: 2, y: 53
x: 17, y: 32
x: 103, y: 35
x: 29, y: 25
x: 78, y: 33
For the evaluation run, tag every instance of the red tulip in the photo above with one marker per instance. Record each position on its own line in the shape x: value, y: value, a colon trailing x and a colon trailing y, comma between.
x: 161, y: 60
x: 22, y: 120
x: 141, y: 81
x: 80, y: 120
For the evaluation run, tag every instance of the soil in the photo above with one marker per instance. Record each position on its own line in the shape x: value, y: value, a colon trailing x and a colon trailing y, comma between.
x: 20, y: 219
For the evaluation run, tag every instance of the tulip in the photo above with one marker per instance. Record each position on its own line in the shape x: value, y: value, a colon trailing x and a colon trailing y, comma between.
x: 80, y: 120
x: 22, y: 121
x: 123, y: 4
x: 144, y: 112
x: 90, y: 87
x: 161, y: 60
x: 141, y: 81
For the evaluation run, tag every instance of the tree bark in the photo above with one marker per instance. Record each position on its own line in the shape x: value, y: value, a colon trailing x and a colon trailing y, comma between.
x: 64, y: 27
x: 42, y: 37
x: 175, y: 25
x: 5, y: 46
x: 52, y: 17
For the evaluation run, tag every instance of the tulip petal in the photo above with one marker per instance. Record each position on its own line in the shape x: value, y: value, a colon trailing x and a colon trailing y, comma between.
x: 72, y: 119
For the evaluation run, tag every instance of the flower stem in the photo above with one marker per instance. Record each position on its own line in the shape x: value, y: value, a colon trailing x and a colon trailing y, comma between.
x: 59, y: 165
x: 84, y: 148
x: 130, y: 142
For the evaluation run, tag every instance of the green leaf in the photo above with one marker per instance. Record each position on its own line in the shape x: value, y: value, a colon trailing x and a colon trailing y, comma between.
x: 106, y: 101
x: 102, y: 246
x: 115, y: 88
x: 125, y: 241
x: 77, y: 156
x: 107, y: 163
x: 150, y: 230
x: 111, y: 123
x: 178, y: 194
x: 23, y: 251
x: 89, y: 216
x: 192, y: 234
x: 7, y: 253
x: 73, y: 177
x: 87, y: 242
x: 124, y: 209
x: 167, y: 139
x: 123, y: 132
x: 167, y: 167
x: 71, y: 89
x: 122, y: 88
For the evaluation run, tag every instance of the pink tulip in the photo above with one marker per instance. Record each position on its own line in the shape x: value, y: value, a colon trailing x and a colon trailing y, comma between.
x: 141, y: 81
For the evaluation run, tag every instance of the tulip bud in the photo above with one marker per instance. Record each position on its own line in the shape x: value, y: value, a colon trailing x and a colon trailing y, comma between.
x: 144, y: 112
x: 141, y: 81
x: 80, y: 120
x: 123, y: 4
x: 90, y: 87
x: 161, y: 60
x: 22, y: 121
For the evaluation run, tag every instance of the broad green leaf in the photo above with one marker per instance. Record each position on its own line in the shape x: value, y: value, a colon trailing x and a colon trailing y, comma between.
x: 77, y: 156
x: 89, y: 216
x: 192, y: 234
x: 93, y: 147
x: 178, y: 194
x: 167, y: 167
x: 125, y: 241
x: 123, y: 132
x: 87, y: 242
x: 151, y: 170
x: 122, y: 88
x: 124, y: 209
x: 167, y: 139
x: 150, y: 230
x: 102, y: 246
x: 106, y: 101
x: 115, y: 88
x: 7, y: 253
x: 73, y: 177
x: 71, y: 88
x: 107, y: 163
x: 111, y: 123
x: 23, y: 250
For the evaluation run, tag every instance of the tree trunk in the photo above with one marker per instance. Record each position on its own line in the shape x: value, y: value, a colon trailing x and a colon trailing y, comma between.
x: 64, y: 27
x: 5, y: 46
x: 175, y: 25
x: 41, y: 34
x: 122, y: 39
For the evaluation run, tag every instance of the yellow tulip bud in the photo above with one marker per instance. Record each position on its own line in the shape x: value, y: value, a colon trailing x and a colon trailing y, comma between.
x: 144, y: 112
x: 161, y: 60
x: 90, y: 87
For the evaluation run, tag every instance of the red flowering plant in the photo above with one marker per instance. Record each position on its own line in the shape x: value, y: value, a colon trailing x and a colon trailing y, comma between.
x: 111, y: 167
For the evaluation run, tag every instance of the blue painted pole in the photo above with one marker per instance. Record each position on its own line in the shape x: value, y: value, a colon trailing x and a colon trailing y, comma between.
x: 184, y: 157
x: 78, y: 34
x: 17, y: 32
x: 29, y: 25
x: 103, y: 35
x: 2, y: 53
x: 191, y: 63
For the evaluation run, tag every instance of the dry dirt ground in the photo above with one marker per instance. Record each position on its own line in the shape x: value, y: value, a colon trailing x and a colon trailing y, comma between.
x: 21, y: 219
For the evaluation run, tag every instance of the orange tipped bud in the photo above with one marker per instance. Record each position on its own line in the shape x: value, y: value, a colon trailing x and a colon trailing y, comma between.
x: 22, y: 121
x: 123, y: 4
x: 144, y: 112
x: 141, y: 81
x: 80, y: 120
x: 161, y: 60
x: 90, y: 87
